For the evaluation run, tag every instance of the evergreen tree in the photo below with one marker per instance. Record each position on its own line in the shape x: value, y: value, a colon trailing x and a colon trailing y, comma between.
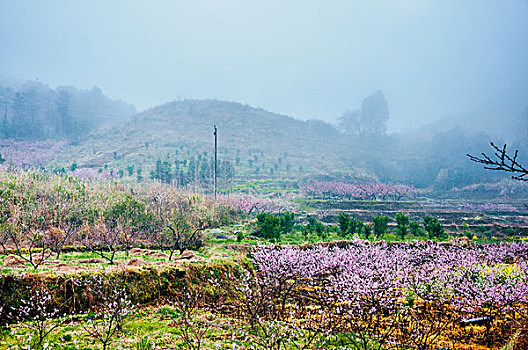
x: 190, y: 177
x: 402, y: 224
x: 20, y: 116
x: 374, y: 115
x: 64, y: 123
x: 381, y: 225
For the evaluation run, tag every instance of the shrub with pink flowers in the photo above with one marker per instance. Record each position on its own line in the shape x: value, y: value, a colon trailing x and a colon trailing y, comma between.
x: 415, y: 294
x: 370, y: 191
x: 26, y: 154
x: 252, y: 205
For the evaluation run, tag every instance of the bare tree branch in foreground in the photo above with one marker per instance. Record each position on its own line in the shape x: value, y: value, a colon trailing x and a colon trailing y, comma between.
x: 502, y: 162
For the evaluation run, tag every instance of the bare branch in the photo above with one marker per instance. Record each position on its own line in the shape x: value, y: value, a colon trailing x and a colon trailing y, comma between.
x: 503, y: 162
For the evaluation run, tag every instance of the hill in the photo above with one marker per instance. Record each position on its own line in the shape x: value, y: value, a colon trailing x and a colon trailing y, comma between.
x: 179, y: 134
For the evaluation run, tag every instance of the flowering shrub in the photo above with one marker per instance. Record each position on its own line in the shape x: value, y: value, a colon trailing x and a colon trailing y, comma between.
x: 25, y: 154
x: 44, y: 213
x: 373, y: 191
x: 253, y: 206
x: 106, y: 319
x: 410, y: 293
x: 42, y: 318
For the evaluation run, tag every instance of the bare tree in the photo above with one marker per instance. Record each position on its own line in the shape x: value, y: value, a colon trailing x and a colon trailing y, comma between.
x: 184, y: 232
x: 102, y: 239
x: 502, y: 161
x: 181, y: 223
x: 192, y: 327
x: 26, y: 242
x: 56, y: 237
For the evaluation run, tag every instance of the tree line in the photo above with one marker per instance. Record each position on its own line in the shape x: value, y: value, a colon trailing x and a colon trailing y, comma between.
x: 36, y: 111
x: 199, y: 171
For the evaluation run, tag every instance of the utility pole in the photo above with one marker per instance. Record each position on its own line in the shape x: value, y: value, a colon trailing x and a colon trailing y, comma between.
x: 215, y: 147
x: 5, y: 111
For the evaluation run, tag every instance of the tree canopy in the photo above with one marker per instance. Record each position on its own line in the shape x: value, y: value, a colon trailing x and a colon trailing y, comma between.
x: 370, y: 119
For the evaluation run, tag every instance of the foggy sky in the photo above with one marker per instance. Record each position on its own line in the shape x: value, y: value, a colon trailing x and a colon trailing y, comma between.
x: 303, y: 58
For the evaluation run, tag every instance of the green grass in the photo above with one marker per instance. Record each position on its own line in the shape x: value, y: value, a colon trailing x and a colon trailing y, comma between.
x: 144, y: 327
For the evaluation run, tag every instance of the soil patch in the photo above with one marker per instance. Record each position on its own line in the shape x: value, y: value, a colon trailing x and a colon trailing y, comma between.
x: 13, y: 262
x: 136, y: 262
x: 88, y: 261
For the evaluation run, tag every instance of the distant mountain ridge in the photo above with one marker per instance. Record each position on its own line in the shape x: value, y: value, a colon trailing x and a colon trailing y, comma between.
x: 500, y: 116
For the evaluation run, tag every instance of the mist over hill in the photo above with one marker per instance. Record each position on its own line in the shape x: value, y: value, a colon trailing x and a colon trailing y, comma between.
x: 260, y: 144
x: 264, y: 174
x: 173, y: 142
x: 33, y: 111
x: 503, y: 115
x: 255, y: 141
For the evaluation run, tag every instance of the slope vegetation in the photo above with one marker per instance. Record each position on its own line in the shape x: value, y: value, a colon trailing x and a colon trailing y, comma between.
x: 255, y: 141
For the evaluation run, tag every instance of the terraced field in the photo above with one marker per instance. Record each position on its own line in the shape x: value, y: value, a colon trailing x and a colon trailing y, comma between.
x: 451, y: 213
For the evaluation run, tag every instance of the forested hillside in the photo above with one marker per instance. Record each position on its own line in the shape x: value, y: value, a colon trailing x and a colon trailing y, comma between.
x: 35, y: 111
